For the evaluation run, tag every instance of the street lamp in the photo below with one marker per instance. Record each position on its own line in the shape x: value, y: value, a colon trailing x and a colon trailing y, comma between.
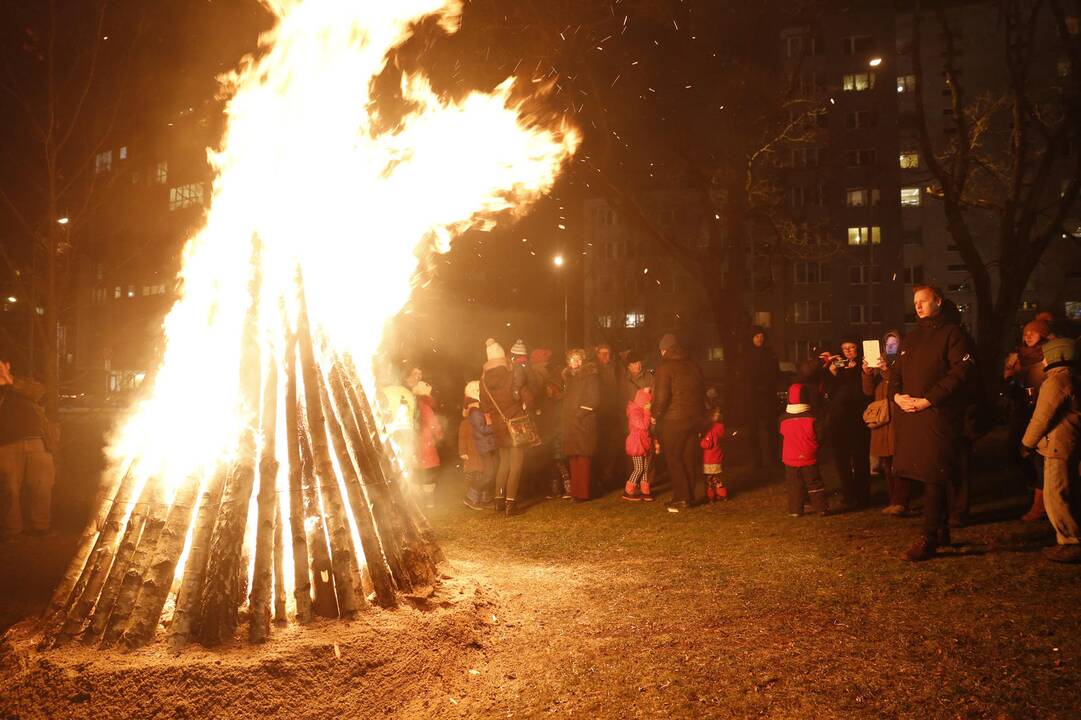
x: 558, y: 262
x: 875, y: 61
x: 62, y: 221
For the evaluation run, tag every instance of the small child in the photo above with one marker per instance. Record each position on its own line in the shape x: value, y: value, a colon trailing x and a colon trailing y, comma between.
x: 476, y: 447
x: 1053, y: 433
x: 713, y: 457
x: 639, y: 446
x: 429, y: 435
x: 802, y: 437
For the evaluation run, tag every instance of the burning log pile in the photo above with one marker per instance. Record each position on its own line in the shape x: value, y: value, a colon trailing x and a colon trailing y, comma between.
x: 342, y: 474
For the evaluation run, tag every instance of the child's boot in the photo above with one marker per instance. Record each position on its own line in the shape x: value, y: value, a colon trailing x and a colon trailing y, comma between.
x: 645, y: 494
x: 630, y: 492
x: 722, y: 492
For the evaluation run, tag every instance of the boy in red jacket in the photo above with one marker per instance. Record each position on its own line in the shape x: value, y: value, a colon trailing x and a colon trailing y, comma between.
x: 712, y: 444
x: 802, y: 437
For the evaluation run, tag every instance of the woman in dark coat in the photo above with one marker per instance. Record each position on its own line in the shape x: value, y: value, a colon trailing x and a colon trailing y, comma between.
x: 928, y: 386
x: 581, y: 394
x: 883, y: 438
x: 499, y: 402
x: 848, y: 433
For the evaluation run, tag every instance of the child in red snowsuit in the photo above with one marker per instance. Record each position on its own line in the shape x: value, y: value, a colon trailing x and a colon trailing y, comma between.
x: 802, y: 437
x: 429, y: 436
x: 713, y: 457
x: 639, y: 446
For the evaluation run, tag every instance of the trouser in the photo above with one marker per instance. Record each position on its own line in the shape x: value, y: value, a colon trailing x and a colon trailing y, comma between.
x: 715, y: 489
x: 897, y: 486
x: 1060, y: 489
x: 25, y: 466
x: 851, y: 452
x: 561, y: 480
x: 762, y: 424
x: 491, y: 466
x: 679, y: 442
x: 509, y: 473
x: 579, y: 469
x: 639, y: 477
x: 935, y: 511
x: 804, y: 482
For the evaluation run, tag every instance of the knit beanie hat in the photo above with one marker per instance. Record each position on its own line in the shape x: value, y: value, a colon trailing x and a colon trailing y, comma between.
x: 668, y: 341
x: 799, y: 398
x: 1060, y: 350
x: 1040, y: 327
x: 472, y: 390
x: 540, y: 355
x: 518, y: 348
x: 494, y: 349
x: 423, y: 389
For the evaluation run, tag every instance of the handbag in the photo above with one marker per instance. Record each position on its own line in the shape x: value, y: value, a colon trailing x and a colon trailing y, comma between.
x: 523, y: 433
x: 877, y: 414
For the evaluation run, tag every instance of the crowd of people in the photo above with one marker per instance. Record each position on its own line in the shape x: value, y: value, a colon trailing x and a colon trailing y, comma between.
x: 906, y: 411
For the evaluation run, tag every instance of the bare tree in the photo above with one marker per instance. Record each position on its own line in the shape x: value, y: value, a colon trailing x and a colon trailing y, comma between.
x: 1011, y: 161
x: 63, y: 80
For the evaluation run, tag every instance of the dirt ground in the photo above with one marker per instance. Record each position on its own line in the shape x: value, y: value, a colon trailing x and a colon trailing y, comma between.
x: 613, y: 610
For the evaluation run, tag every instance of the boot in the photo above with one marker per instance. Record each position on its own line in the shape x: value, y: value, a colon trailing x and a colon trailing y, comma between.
x: 512, y: 508
x: 722, y: 492
x: 646, y: 495
x: 819, y: 503
x: 500, y: 504
x: 920, y: 549
x: 630, y: 492
x: 711, y: 494
x: 1037, y: 511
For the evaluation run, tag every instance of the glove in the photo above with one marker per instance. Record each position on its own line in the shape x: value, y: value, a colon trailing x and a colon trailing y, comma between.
x: 1025, y: 451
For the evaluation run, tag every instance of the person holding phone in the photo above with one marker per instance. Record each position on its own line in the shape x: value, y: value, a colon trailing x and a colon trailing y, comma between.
x: 849, y: 435
x: 876, y: 381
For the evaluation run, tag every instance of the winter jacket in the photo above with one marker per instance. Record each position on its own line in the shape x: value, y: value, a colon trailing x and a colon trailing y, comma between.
x: 679, y: 389
x: 712, y: 444
x: 847, y: 401
x: 935, y: 363
x: 1056, y: 420
x: 429, y: 434
x: 639, y: 441
x: 761, y: 373
x: 883, y: 438
x: 21, y: 415
x: 497, y: 396
x: 581, y: 395
x: 802, y: 433
x: 467, y: 444
x: 483, y: 433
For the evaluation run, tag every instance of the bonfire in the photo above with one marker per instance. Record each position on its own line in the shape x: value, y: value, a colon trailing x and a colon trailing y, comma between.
x: 256, y: 479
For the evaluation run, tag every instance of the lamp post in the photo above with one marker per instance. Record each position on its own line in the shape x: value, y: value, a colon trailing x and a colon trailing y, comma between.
x: 558, y: 262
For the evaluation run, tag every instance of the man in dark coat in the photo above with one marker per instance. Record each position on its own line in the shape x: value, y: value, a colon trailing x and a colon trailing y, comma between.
x: 581, y: 396
x: 848, y: 433
x: 761, y: 372
x: 611, y: 424
x: 928, y: 385
x: 679, y: 391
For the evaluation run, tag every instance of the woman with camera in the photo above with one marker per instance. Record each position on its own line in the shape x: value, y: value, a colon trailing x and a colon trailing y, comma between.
x: 849, y: 435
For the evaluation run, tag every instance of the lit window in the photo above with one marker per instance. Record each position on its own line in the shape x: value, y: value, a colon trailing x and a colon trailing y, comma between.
x: 910, y: 197
x: 118, y: 292
x: 185, y: 196
x: 103, y: 161
x: 865, y: 235
x: 161, y: 173
x: 605, y: 321
x: 715, y: 354
x: 906, y: 83
x: 123, y: 152
x: 633, y: 320
x: 910, y: 160
x: 858, y: 82
x: 861, y: 197
x: 763, y: 318
x: 131, y: 291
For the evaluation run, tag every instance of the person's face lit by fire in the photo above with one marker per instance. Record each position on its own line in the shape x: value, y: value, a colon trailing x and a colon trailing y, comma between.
x: 574, y: 362
x: 414, y: 377
x: 849, y: 350
x: 635, y: 368
x: 604, y: 355
x: 892, y: 345
x: 1032, y: 338
x: 759, y: 339
x: 926, y: 304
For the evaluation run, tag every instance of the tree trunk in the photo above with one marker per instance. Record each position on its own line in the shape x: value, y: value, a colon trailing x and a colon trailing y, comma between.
x: 158, y: 577
x: 325, y: 602
x: 263, y: 572
x: 302, y: 583
x: 191, y: 586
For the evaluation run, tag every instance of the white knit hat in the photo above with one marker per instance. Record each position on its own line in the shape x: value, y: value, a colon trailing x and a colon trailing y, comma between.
x: 472, y: 389
x: 518, y: 348
x: 494, y: 349
x: 422, y: 388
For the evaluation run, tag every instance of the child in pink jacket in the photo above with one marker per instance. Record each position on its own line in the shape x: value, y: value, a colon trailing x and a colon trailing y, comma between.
x: 639, y: 446
x: 713, y: 457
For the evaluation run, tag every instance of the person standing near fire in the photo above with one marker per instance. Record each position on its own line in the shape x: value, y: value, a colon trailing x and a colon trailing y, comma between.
x: 26, y: 463
x: 679, y: 392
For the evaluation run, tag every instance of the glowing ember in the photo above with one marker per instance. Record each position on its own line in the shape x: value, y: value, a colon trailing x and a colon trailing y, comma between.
x: 307, y: 187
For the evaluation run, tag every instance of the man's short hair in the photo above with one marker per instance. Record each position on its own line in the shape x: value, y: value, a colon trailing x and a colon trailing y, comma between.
x: 936, y: 291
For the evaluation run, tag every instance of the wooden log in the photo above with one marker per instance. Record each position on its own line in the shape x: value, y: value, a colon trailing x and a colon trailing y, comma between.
x: 97, y: 569
x: 158, y: 577
x: 361, y: 447
x: 68, y: 588
x: 325, y: 601
x: 99, y: 620
x: 140, y: 561
x: 380, y: 573
x: 279, y: 564
x: 223, y: 591
x: 263, y: 571
x: 191, y: 586
x: 302, y: 583
x: 342, y: 557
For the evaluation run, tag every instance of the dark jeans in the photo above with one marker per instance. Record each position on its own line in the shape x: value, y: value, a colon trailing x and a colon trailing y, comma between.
x: 935, y: 511
x: 804, y: 483
x: 762, y: 423
x: 682, y: 455
x: 852, y: 453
